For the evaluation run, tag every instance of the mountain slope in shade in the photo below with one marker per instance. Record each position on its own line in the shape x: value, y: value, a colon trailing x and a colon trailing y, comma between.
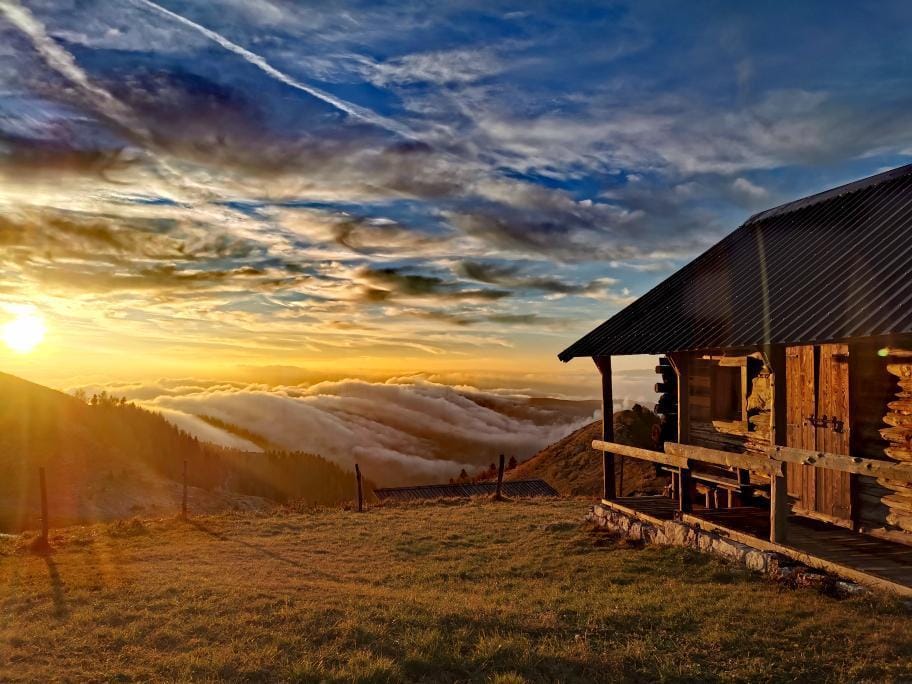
x: 114, y: 460
x: 101, y: 462
x: 574, y: 468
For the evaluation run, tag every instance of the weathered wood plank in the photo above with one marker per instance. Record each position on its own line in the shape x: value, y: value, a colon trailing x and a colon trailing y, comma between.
x: 725, y: 458
x: 901, y: 472
x: 778, y: 508
x: 637, y: 452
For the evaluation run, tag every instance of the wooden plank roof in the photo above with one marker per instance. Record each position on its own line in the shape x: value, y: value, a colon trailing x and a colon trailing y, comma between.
x: 511, y: 488
x: 830, y: 267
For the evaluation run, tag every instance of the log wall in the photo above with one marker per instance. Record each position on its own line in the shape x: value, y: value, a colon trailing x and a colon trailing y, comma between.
x: 881, y: 417
x: 871, y: 388
x: 897, y: 433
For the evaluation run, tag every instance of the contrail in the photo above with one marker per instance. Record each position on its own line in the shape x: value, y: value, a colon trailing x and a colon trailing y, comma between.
x: 63, y: 63
x: 351, y: 109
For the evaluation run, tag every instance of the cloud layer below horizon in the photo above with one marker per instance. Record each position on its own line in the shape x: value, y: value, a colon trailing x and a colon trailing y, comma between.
x: 403, y: 430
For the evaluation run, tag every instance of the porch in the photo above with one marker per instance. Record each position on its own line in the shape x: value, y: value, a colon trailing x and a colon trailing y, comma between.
x: 873, y: 561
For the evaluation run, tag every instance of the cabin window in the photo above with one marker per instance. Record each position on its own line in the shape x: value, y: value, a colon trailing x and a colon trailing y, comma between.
x: 727, y: 393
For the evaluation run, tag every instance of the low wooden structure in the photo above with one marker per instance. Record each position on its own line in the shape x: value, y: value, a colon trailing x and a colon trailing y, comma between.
x: 786, y: 373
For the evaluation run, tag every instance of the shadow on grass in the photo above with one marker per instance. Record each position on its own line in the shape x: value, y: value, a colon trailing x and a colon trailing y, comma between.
x: 57, y: 589
x: 309, y: 567
x: 254, y: 547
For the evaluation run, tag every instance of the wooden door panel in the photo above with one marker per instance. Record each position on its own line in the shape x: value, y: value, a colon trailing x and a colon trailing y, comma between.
x: 833, y: 488
x: 800, y: 405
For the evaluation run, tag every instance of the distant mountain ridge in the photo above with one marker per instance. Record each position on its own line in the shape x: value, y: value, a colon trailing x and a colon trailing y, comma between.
x: 112, y: 460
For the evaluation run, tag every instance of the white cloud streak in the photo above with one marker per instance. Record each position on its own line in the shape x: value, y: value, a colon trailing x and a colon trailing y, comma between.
x: 260, y: 62
x: 63, y: 63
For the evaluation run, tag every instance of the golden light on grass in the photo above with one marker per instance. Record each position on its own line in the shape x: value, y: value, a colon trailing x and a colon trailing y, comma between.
x: 24, y: 332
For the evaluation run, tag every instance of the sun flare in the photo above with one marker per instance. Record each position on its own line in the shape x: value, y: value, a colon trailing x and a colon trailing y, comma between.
x: 24, y: 333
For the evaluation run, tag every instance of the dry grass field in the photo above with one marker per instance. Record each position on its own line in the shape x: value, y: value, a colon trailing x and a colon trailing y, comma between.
x: 474, y: 591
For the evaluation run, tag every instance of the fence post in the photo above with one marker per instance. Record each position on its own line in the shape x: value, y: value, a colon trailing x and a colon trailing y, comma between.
x: 500, y: 472
x: 184, y: 501
x: 360, y: 491
x: 44, y: 508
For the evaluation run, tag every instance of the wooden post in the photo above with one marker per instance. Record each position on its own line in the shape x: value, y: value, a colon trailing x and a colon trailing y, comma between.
x: 44, y: 507
x: 679, y: 361
x: 775, y: 357
x: 684, y: 490
x: 620, y: 478
x: 184, y: 501
x: 778, y: 508
x: 681, y: 364
x: 500, y: 472
x: 779, y: 502
x: 603, y: 363
x: 717, y: 497
x: 745, y: 488
x: 360, y: 491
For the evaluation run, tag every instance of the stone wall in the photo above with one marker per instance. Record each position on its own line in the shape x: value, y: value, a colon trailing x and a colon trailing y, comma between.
x: 673, y: 533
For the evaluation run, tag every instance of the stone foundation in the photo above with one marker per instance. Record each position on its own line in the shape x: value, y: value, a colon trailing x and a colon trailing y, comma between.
x: 674, y: 533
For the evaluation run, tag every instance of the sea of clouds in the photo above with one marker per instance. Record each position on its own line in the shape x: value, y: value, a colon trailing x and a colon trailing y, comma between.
x: 401, y: 430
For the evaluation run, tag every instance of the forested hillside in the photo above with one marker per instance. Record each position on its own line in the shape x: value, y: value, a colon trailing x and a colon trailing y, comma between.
x: 106, y: 458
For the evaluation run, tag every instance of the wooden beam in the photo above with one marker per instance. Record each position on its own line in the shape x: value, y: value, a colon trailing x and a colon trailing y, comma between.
x: 775, y: 359
x: 680, y: 363
x: 637, y: 452
x: 603, y: 363
x: 901, y: 472
x: 778, y: 508
x: 725, y: 458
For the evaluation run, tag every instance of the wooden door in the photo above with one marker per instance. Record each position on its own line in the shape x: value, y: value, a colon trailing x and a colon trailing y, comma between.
x: 801, y: 401
x: 817, y: 413
x: 833, y: 487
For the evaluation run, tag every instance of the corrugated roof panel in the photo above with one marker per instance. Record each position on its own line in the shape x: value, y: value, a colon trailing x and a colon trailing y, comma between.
x: 833, y: 266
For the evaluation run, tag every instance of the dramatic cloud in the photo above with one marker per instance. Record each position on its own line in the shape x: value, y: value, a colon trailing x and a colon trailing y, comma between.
x: 350, y: 184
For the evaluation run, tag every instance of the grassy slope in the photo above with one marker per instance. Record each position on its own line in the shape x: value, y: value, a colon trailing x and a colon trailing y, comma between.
x: 573, y: 468
x: 475, y: 591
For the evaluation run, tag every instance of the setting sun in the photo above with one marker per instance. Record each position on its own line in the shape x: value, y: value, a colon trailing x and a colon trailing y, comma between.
x: 24, y: 333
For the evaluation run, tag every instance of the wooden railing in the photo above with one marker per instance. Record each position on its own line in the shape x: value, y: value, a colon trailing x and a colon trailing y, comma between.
x: 772, y: 464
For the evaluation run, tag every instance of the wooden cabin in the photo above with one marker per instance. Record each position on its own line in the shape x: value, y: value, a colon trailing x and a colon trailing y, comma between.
x: 786, y: 370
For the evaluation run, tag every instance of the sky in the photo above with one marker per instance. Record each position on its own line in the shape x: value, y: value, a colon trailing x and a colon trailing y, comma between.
x: 257, y: 188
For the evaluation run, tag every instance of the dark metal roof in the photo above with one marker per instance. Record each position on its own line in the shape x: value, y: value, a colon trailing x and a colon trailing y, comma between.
x: 511, y: 488
x: 829, y: 267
